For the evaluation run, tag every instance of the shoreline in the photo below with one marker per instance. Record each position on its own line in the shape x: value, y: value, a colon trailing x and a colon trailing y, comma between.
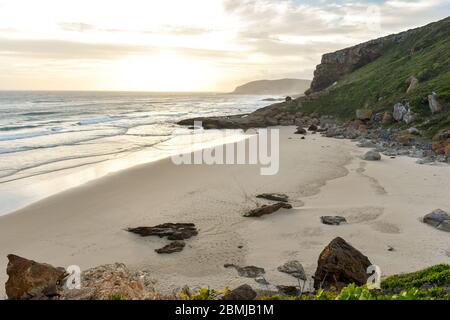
x: 323, y: 176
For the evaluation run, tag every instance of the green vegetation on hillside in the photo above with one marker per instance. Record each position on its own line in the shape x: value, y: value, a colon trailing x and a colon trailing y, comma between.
x: 380, y: 84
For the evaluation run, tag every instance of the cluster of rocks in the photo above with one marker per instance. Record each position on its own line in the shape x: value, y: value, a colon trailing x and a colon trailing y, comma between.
x: 282, y: 203
x: 177, y: 232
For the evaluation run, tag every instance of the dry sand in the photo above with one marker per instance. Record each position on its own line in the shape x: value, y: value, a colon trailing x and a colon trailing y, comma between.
x: 383, y: 202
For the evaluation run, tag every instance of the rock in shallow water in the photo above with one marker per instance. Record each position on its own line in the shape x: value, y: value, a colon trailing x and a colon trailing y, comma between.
x: 333, y: 220
x: 269, y: 209
x: 438, y: 219
x: 173, y: 231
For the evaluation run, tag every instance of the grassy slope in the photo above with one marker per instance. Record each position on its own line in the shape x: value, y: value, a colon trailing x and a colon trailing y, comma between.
x: 381, y: 84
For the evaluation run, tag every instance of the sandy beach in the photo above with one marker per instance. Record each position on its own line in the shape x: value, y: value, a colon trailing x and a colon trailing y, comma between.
x: 383, y: 202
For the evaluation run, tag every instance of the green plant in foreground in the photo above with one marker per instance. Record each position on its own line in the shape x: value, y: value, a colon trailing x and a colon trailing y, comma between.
x: 118, y: 296
x: 203, y: 294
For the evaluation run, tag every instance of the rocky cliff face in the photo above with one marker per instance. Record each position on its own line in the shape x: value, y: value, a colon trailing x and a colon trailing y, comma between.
x: 337, y: 64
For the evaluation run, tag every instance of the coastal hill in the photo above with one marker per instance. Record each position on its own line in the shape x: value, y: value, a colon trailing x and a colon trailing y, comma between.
x: 401, y: 81
x: 274, y: 87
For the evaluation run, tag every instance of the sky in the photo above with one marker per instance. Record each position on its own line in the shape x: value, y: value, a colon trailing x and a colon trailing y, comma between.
x: 180, y: 45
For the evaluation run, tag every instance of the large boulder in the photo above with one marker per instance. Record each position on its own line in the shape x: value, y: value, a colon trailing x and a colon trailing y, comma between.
x: 339, y: 265
x: 438, y: 219
x: 434, y: 104
x: 29, y: 279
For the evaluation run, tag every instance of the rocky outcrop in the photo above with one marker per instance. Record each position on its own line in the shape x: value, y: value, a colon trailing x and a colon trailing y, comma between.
x: 173, y: 231
x: 339, y: 265
x: 244, y: 292
x: 29, y: 279
x: 274, y: 197
x: 438, y: 219
x: 342, y: 62
x: 333, y: 220
x: 267, y: 209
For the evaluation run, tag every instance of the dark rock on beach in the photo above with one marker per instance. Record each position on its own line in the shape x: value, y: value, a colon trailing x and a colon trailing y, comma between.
x: 372, y: 156
x: 29, y: 279
x: 172, y: 247
x: 339, y: 265
x: 290, y: 291
x: 333, y: 220
x: 267, y: 209
x: 274, y: 197
x: 244, y: 292
x: 294, y: 268
x: 173, y: 231
x: 438, y: 219
x: 247, y: 272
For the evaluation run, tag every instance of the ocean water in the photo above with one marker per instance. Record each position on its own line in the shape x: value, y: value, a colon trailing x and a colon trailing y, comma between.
x: 52, y: 141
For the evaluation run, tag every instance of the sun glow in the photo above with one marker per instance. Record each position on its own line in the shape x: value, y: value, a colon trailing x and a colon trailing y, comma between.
x: 166, y: 71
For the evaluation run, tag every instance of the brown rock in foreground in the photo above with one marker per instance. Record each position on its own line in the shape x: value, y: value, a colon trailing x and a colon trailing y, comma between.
x: 244, y: 292
x: 173, y: 231
x: 339, y: 265
x: 267, y: 209
x: 29, y: 279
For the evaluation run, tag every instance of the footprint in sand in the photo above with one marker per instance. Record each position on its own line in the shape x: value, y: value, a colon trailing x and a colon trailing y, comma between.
x: 379, y: 189
x: 361, y: 215
x: 385, y: 227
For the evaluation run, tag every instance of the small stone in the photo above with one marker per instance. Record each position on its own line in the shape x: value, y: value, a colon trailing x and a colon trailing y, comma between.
x: 300, y: 130
x: 313, y: 128
x: 274, y: 197
x: 247, y: 272
x: 173, y: 247
x: 173, y: 231
x: 262, y: 280
x: 289, y: 291
x: 390, y: 248
x: 294, y: 268
x: 372, y: 156
x: 333, y: 220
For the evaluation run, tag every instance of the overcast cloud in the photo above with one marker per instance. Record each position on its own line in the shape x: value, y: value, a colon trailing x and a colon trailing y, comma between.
x: 127, y: 45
